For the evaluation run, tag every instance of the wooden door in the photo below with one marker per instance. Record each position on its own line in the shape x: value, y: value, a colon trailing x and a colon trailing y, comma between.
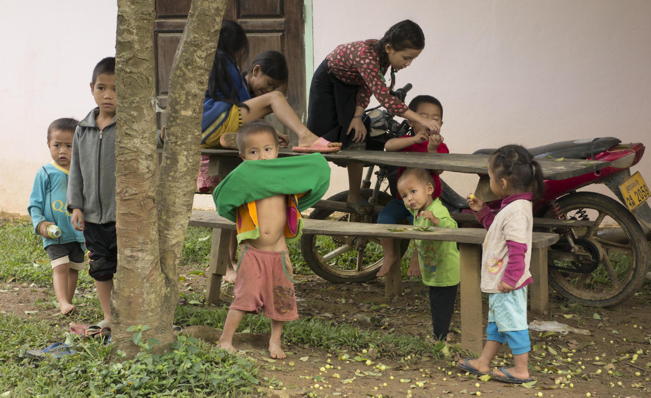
x: 269, y: 24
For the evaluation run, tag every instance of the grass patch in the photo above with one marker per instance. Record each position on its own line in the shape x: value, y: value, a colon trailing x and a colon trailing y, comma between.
x: 23, y: 257
x: 191, y: 369
x: 196, y: 246
x: 316, y: 333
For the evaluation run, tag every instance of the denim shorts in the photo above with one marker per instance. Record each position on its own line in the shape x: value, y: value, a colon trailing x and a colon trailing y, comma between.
x: 395, y: 212
x: 67, y: 253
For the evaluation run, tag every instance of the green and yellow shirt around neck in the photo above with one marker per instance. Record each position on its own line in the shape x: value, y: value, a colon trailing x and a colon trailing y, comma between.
x: 304, y: 179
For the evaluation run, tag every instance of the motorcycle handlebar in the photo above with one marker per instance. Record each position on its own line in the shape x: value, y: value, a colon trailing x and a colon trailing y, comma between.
x: 401, y: 93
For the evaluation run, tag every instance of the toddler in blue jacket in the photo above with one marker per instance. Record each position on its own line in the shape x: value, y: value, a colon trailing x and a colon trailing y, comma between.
x: 47, y: 208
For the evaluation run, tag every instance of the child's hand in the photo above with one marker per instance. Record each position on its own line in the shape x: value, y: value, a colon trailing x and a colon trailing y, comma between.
x: 428, y: 214
x: 414, y: 269
x: 474, y: 202
x: 504, y: 287
x: 432, y: 126
x: 420, y: 137
x: 42, y: 228
x: 435, y: 139
x: 77, y: 219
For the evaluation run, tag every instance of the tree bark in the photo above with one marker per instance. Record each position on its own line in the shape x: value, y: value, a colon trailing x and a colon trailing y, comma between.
x: 136, y: 298
x: 154, y: 206
x: 180, y: 164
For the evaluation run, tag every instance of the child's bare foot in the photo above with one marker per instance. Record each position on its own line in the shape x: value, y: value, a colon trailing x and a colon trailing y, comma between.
x: 66, y: 308
x: 473, y: 366
x: 384, y: 269
x: 276, y: 352
x: 227, y: 346
x: 308, y: 138
x: 230, y: 274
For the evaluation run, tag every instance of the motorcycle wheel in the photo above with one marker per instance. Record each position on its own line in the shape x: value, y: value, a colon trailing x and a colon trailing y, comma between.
x: 340, y: 259
x: 608, y: 261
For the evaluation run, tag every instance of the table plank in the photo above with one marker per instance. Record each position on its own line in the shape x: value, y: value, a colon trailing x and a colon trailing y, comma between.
x: 553, y: 169
x: 207, y: 218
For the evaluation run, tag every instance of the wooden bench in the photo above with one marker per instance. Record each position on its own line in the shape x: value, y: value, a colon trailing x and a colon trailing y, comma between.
x: 469, y: 239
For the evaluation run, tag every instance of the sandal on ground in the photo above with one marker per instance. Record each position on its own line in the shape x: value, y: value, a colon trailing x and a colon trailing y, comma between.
x: 467, y: 367
x: 56, y: 350
x: 508, y: 377
x: 321, y: 145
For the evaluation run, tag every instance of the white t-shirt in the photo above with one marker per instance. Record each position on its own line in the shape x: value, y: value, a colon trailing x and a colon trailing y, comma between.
x: 514, y: 222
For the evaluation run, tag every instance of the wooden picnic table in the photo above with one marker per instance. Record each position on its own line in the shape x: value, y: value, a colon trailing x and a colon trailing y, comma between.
x: 224, y: 160
x: 553, y: 169
x: 469, y: 240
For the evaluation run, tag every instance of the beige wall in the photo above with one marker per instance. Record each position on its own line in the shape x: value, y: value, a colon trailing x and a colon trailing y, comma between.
x: 528, y: 72
x: 49, y: 51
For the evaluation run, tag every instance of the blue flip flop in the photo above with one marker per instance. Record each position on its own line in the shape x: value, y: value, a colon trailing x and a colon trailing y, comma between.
x: 56, y: 350
x: 509, y: 378
x: 467, y: 367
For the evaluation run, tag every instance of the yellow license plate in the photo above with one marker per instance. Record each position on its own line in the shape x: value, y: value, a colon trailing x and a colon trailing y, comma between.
x: 635, y: 191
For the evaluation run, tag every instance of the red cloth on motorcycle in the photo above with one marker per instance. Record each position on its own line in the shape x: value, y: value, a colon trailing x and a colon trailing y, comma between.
x: 422, y: 147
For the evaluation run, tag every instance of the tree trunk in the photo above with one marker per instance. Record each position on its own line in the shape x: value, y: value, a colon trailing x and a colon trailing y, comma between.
x: 136, y: 298
x: 180, y: 165
x: 153, y: 208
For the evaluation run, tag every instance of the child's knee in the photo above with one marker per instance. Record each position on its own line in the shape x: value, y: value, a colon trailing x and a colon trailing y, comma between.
x: 61, y: 267
x: 276, y: 96
x: 102, y: 269
x: 518, y: 341
x: 493, y: 334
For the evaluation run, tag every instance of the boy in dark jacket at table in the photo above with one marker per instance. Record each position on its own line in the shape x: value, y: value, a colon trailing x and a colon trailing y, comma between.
x: 422, y: 140
x: 91, y: 189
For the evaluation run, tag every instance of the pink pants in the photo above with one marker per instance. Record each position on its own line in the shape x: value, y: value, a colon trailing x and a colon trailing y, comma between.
x: 263, y: 284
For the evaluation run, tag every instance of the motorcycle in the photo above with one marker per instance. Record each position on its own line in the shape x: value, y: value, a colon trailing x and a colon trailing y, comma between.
x: 600, y: 261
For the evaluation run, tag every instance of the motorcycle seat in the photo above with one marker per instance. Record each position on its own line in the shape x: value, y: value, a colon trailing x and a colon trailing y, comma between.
x: 575, y: 149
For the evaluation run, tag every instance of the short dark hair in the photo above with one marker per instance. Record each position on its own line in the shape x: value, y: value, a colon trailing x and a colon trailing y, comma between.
x: 425, y: 99
x: 63, y: 124
x: 516, y: 164
x: 105, y: 66
x: 422, y: 175
x: 254, y: 127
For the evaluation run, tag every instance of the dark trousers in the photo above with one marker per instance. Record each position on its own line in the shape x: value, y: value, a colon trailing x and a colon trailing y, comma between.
x: 441, y: 304
x: 101, y: 241
x: 331, y: 106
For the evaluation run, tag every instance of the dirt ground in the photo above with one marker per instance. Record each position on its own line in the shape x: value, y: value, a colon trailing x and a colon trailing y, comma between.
x: 614, y: 361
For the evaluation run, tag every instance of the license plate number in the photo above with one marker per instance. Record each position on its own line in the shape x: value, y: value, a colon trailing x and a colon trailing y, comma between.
x: 635, y: 191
